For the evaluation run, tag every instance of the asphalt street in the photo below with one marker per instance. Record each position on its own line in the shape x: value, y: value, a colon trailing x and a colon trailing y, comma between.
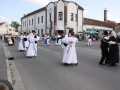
x: 46, y: 72
x: 3, y: 67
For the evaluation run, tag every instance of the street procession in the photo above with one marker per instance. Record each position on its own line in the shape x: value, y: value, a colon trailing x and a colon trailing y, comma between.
x: 109, y: 46
x: 59, y: 45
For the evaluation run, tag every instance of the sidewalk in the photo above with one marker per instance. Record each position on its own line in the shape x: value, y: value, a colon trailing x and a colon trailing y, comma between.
x: 3, y: 68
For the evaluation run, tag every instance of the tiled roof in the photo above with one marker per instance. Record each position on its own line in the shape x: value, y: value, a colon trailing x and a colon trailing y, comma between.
x: 1, y: 23
x: 88, y: 21
x: 118, y: 28
x: 34, y: 12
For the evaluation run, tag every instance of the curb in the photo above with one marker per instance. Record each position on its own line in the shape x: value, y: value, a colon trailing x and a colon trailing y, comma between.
x: 12, y: 73
x: 7, y: 65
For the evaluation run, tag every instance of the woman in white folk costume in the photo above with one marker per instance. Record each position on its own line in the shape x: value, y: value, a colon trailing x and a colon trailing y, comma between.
x: 69, y: 53
x: 26, y: 41
x: 21, y: 45
x: 89, y: 42
x: 32, y: 47
x: 58, y: 39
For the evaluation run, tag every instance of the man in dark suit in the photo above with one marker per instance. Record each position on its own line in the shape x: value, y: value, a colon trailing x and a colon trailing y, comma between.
x: 104, y: 49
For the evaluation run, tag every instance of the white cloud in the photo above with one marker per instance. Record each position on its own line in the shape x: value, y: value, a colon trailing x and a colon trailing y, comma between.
x: 113, y: 18
x: 39, y: 2
x: 4, y: 19
x: 86, y: 10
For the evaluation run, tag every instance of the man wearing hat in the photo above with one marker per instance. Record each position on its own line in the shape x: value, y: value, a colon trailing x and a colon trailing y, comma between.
x: 104, y: 48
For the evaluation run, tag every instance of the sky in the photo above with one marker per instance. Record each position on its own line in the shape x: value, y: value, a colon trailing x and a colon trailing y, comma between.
x: 13, y: 10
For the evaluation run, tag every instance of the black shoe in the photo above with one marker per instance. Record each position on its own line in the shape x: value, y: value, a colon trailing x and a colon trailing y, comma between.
x: 112, y: 64
x: 76, y: 64
x: 10, y: 58
x: 101, y: 64
x: 65, y: 64
x: 107, y: 62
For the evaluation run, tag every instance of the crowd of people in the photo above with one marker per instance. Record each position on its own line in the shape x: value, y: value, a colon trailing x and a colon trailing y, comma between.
x: 109, y: 49
x: 28, y: 43
x: 109, y: 46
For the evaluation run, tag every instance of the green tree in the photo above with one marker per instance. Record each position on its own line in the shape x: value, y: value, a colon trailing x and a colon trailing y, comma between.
x: 15, y: 24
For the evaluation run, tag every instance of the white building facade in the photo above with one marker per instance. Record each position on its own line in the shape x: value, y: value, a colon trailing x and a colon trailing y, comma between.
x: 59, y: 15
x: 5, y: 28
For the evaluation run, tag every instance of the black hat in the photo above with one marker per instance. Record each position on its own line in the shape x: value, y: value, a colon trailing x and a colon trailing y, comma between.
x: 33, y: 31
x: 105, y: 32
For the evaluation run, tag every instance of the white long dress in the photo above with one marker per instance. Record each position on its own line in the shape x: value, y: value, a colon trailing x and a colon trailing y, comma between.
x: 21, y: 45
x: 32, y: 47
x: 59, y: 40
x: 69, y: 53
x: 26, y: 42
x: 48, y: 39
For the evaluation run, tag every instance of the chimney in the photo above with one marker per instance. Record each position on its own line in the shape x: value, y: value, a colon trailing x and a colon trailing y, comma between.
x: 105, y: 15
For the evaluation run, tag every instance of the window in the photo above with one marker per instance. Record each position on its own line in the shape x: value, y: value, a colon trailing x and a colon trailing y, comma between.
x: 76, y: 17
x: 50, y: 16
x: 41, y: 32
x: 38, y: 32
x: 72, y: 17
x: 32, y: 21
x: 60, y: 17
x: 23, y: 24
x: 38, y: 20
x: 29, y: 22
x: 10, y: 30
x: 41, y: 19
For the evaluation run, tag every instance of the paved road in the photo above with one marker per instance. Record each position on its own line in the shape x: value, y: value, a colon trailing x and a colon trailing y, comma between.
x: 3, y: 68
x: 45, y: 72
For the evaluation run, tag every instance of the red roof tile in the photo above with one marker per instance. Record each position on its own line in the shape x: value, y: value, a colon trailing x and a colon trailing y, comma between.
x: 99, y: 23
x: 118, y: 28
x: 1, y: 23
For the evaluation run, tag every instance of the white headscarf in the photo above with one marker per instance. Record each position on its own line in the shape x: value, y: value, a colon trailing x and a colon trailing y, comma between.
x: 113, y: 33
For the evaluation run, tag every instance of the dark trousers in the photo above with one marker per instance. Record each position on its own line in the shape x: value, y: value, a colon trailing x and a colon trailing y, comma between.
x: 104, y: 57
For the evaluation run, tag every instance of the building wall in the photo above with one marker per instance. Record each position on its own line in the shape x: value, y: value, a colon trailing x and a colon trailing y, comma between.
x: 54, y: 8
x: 24, y: 27
x: 3, y: 29
x: 32, y: 23
x: 7, y: 29
x: 50, y: 25
x: 80, y: 20
x: 60, y: 8
x: 72, y: 9
x: 40, y: 27
x: 85, y: 27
